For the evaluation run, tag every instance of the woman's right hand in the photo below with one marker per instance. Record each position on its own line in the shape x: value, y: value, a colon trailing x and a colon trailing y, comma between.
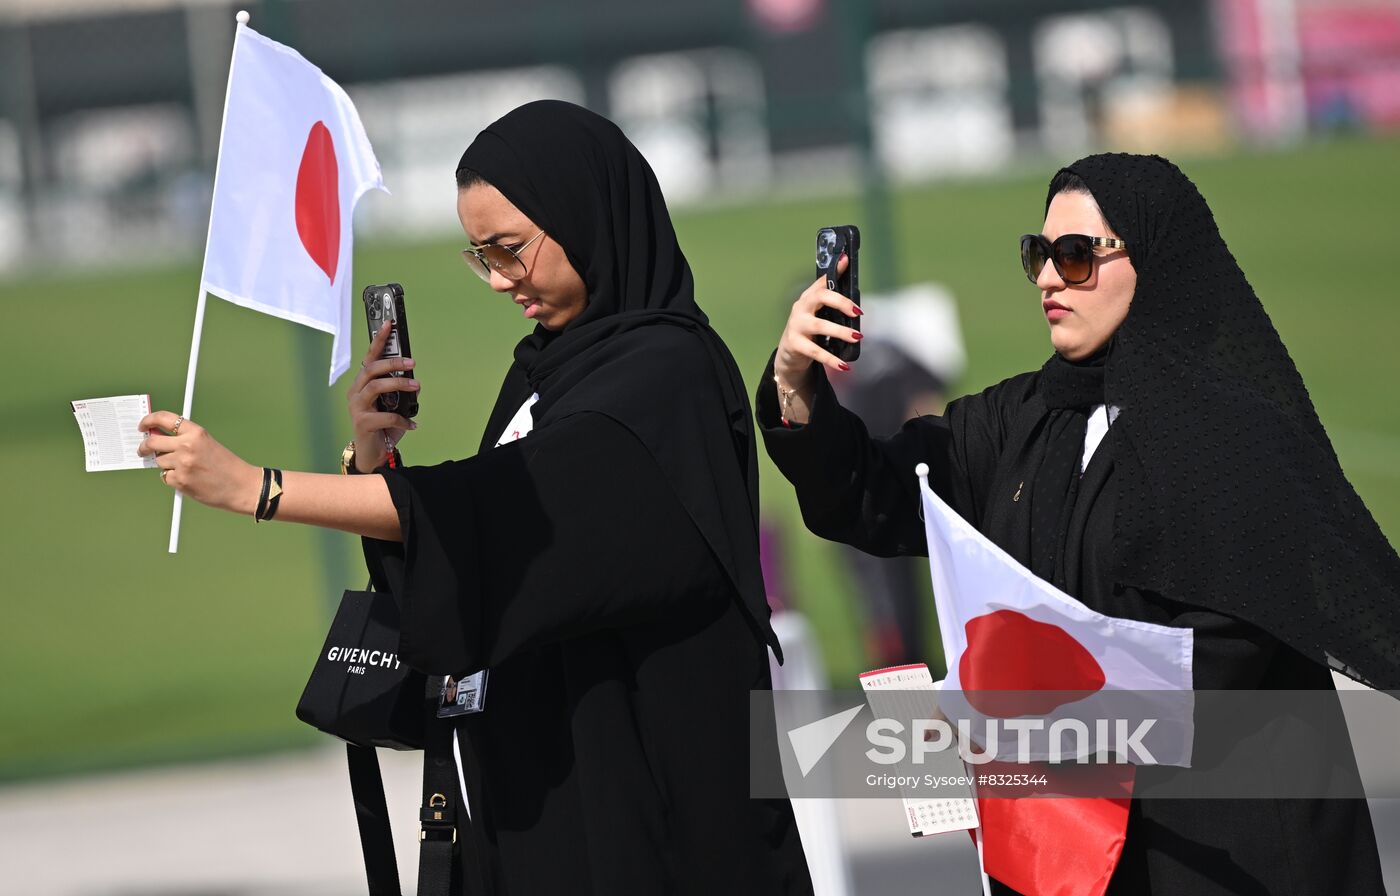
x: 797, y: 348
x: 374, y: 428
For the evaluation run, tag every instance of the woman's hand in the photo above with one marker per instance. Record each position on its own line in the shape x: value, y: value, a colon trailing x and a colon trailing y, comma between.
x: 797, y: 348
x: 374, y: 428
x: 194, y: 463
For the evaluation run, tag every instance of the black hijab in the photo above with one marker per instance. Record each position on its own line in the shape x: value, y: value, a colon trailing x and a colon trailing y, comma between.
x: 642, y: 352
x: 1233, y: 497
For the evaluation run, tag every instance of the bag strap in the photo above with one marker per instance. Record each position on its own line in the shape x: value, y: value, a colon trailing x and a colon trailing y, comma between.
x: 437, y: 839
x: 372, y: 815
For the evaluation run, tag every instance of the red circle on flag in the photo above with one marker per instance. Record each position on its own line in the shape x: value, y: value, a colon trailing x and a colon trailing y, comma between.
x: 318, y: 200
x: 1039, y: 666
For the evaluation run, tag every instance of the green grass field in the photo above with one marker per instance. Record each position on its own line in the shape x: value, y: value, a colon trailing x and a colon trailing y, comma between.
x: 113, y: 652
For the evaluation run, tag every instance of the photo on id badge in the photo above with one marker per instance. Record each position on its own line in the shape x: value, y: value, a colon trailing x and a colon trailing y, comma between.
x: 461, y: 696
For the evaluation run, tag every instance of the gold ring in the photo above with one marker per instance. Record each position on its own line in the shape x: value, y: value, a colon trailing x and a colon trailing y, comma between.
x: 176, y: 430
x: 162, y: 476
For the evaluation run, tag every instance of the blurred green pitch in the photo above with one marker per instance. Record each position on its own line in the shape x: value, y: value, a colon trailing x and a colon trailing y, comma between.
x: 113, y: 652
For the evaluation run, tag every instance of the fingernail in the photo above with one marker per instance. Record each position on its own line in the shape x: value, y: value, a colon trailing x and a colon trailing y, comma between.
x: 843, y: 257
x: 844, y: 366
x: 407, y: 362
x: 412, y: 425
x: 412, y: 384
x: 855, y: 311
x: 857, y: 335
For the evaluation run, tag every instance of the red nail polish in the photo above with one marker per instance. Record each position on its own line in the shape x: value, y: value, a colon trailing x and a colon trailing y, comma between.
x: 857, y: 335
x: 844, y: 366
x: 855, y: 311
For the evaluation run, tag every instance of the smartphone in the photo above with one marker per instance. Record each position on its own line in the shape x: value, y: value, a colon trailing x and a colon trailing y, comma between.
x: 386, y: 303
x: 831, y: 243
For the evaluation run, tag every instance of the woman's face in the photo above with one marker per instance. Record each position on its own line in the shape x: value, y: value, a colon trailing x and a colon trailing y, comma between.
x: 1083, y: 316
x: 551, y: 292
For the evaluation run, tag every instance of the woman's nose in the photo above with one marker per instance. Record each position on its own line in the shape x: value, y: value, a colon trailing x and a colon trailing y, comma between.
x: 500, y: 282
x: 1050, y: 279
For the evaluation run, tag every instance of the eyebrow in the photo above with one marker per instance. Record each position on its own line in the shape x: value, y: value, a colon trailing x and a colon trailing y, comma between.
x: 492, y: 238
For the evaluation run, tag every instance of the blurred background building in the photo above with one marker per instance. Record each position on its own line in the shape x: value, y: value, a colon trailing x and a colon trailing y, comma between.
x: 110, y: 109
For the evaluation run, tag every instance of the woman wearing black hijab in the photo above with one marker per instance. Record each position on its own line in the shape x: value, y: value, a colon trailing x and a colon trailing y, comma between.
x: 1164, y: 465
x: 598, y: 554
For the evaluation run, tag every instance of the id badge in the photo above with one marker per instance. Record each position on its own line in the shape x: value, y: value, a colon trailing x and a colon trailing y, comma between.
x: 462, y: 696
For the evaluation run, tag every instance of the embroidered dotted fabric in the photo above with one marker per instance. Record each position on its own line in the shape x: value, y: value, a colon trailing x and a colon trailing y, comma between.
x: 1236, y: 500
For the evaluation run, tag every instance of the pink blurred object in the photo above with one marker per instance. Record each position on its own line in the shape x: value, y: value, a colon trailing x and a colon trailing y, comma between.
x: 1351, y: 63
x: 1330, y: 65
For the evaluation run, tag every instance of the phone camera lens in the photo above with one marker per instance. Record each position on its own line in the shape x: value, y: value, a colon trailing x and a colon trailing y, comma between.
x: 826, y: 248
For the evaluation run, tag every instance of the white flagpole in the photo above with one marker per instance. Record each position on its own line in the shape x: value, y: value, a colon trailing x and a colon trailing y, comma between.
x: 242, y: 19
x: 981, y: 863
x: 188, y: 406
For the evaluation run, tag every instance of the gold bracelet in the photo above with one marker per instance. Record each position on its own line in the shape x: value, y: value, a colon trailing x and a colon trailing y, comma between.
x: 784, y: 400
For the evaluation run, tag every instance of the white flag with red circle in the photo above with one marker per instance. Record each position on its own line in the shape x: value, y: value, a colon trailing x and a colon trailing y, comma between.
x: 1018, y: 647
x: 293, y: 161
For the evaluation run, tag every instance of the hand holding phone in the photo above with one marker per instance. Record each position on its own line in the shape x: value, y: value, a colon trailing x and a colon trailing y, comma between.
x: 386, y: 304
x: 832, y: 243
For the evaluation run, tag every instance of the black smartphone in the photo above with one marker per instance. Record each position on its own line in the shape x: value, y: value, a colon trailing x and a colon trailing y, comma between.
x: 831, y: 243
x: 386, y: 303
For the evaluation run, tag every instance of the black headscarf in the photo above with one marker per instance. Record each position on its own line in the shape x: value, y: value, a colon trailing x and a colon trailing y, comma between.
x: 642, y: 352
x: 1232, y: 498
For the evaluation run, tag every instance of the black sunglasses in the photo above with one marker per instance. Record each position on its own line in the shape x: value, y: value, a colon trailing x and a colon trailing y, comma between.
x: 1072, y: 255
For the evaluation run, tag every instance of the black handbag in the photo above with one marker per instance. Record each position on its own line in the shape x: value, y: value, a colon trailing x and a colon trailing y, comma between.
x: 360, y: 690
x: 363, y: 693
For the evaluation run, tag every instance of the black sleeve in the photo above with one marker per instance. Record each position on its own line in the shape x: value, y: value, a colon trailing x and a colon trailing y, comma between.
x: 862, y: 491
x: 570, y: 530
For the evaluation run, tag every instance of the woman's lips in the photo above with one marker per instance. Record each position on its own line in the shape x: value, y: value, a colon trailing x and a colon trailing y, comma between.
x: 1054, y: 310
x: 532, y: 306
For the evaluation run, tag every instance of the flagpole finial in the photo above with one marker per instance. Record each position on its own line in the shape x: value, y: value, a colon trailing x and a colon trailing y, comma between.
x: 242, y: 17
x: 921, y: 471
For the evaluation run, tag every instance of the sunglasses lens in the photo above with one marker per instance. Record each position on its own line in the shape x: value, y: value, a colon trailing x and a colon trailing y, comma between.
x: 505, y: 261
x: 1074, y: 257
x: 1032, y: 256
x: 475, y: 264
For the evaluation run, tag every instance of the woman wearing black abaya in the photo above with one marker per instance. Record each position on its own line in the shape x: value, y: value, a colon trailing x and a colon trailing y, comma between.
x: 598, y: 554
x: 1165, y: 465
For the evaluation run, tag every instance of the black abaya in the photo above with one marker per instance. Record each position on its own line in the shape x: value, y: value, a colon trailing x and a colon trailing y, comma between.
x: 982, y: 454
x: 604, y: 567
x: 612, y: 755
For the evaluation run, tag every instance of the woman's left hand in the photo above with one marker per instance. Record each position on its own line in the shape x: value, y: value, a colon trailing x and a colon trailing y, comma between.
x: 195, y: 464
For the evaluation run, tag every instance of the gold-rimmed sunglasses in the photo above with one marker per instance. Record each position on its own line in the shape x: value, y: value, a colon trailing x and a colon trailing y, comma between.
x: 506, y: 260
x: 1072, y: 255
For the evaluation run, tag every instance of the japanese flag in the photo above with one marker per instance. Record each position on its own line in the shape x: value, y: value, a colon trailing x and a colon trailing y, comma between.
x: 1017, y: 647
x: 293, y: 161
